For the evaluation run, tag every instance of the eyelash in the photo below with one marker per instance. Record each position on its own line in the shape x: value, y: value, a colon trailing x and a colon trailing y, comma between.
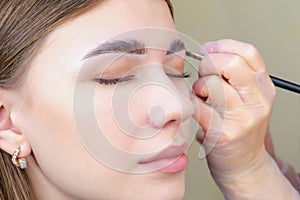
x: 183, y: 75
x: 114, y: 81
x: 131, y: 77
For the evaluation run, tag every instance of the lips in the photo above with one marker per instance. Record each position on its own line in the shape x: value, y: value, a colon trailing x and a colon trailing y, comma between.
x: 170, y: 160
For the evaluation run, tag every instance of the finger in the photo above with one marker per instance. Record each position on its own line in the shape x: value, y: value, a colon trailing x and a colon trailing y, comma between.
x: 251, y: 86
x: 230, y: 66
x: 204, y: 114
x: 200, y: 136
x: 222, y: 96
x: 212, y: 124
x: 247, y: 51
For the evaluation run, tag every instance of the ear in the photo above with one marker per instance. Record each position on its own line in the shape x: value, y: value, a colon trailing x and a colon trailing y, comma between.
x: 11, y: 137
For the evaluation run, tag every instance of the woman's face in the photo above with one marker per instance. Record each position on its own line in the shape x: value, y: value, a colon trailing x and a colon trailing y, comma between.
x: 95, y: 115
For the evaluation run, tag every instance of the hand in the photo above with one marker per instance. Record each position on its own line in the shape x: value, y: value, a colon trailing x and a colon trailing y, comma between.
x: 233, y: 77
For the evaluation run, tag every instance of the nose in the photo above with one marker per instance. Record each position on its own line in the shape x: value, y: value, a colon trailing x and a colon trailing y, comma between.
x: 169, y: 105
x: 165, y: 101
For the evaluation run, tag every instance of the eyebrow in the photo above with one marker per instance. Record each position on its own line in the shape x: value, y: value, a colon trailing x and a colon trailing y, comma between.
x: 176, y: 46
x: 130, y: 46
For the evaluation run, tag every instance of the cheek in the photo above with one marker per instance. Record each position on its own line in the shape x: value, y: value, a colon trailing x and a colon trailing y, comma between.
x: 48, y: 118
x: 112, y: 119
x: 48, y: 123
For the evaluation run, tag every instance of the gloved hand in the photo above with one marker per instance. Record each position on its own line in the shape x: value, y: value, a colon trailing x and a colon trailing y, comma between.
x: 286, y: 169
x: 234, y: 79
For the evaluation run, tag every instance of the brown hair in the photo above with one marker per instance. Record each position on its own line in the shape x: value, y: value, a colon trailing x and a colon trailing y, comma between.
x: 23, y: 26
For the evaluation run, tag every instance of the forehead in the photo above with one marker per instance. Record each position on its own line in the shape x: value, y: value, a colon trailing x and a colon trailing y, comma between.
x: 111, y: 19
x: 76, y: 37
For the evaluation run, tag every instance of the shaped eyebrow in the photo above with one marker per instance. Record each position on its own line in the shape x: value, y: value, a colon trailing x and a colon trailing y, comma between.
x: 130, y: 46
x: 176, y: 46
x: 118, y: 46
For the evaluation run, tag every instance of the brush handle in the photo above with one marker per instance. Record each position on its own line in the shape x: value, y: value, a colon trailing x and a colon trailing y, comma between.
x: 293, y: 87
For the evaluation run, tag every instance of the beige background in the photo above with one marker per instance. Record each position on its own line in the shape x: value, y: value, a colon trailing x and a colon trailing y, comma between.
x: 273, y: 26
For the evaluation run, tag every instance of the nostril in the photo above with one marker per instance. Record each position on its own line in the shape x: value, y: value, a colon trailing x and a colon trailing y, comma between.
x: 157, y: 116
x: 171, y: 123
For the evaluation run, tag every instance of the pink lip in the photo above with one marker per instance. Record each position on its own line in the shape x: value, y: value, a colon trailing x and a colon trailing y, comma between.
x: 170, y: 152
x: 169, y: 160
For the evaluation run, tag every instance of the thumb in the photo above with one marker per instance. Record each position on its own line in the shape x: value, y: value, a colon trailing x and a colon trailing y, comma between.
x: 200, y: 136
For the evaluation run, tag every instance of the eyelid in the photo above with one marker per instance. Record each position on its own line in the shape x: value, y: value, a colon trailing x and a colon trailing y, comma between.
x: 131, y: 77
x: 183, y: 75
x: 115, y: 80
x: 177, y: 52
x: 126, y: 78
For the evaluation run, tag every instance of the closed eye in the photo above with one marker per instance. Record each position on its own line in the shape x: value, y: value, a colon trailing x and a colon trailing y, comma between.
x: 114, y: 81
x: 183, y: 75
x: 131, y: 77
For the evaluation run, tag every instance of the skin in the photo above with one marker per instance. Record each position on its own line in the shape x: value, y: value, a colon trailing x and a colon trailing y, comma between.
x: 40, y: 115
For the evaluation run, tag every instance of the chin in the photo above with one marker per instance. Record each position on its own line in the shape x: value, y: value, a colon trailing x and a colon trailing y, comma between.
x: 152, y: 186
x: 170, y: 193
x: 170, y: 187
